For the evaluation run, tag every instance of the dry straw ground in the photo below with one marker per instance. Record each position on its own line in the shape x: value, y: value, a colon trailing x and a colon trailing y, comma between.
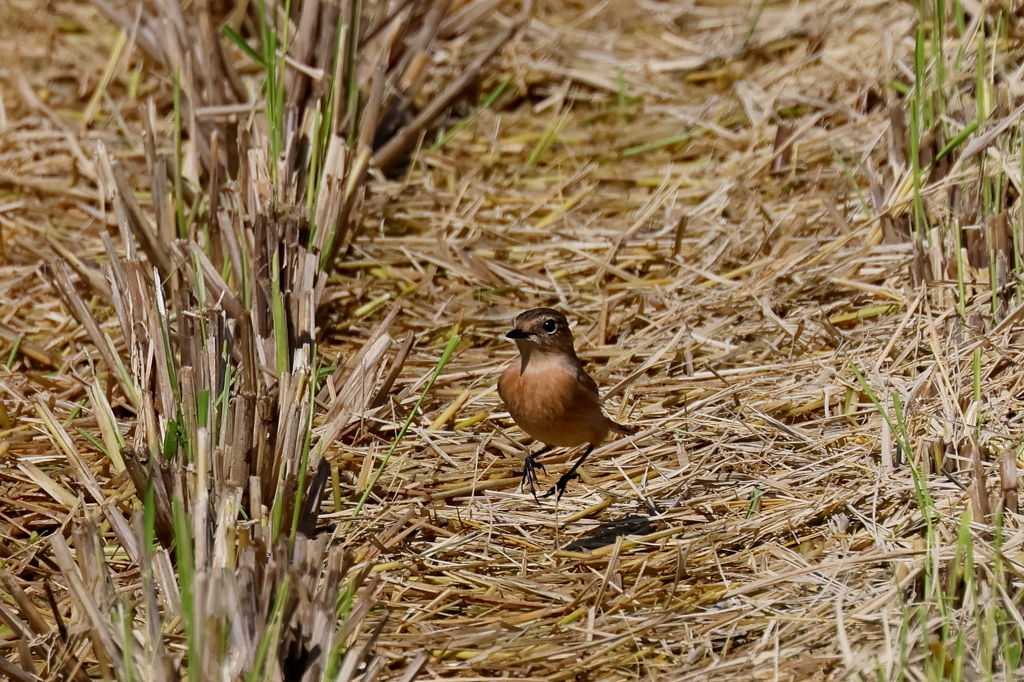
x: 717, y: 194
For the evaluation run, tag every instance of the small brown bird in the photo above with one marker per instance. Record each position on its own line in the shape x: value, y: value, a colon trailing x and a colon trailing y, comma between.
x: 550, y: 395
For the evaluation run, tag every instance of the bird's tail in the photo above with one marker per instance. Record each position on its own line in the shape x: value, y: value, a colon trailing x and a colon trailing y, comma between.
x: 621, y: 428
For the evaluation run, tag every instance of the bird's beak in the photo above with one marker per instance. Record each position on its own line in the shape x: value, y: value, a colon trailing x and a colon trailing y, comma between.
x: 517, y: 334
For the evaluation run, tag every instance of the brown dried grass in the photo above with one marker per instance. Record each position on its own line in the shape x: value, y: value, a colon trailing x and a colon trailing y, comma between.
x: 723, y: 276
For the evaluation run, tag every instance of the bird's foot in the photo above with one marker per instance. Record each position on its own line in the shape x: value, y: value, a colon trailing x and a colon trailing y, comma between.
x: 562, y: 484
x: 530, y: 468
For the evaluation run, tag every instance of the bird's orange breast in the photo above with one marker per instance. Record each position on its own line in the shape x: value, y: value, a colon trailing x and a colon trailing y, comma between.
x: 550, y: 403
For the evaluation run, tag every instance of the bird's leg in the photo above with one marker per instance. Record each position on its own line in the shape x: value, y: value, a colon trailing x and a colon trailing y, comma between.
x: 568, y: 476
x: 530, y: 467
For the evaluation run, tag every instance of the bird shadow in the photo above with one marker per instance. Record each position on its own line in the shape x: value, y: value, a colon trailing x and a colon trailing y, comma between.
x: 605, y: 534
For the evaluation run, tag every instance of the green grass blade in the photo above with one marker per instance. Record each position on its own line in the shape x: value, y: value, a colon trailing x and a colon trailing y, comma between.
x: 236, y: 38
x: 445, y: 357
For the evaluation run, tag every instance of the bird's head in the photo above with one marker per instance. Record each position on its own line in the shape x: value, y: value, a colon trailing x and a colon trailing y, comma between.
x: 542, y: 330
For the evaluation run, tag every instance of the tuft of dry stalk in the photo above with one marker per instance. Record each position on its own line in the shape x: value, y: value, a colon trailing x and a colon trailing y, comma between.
x: 215, y: 296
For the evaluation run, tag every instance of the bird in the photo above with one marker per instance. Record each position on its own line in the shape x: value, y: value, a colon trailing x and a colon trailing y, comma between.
x: 549, y: 394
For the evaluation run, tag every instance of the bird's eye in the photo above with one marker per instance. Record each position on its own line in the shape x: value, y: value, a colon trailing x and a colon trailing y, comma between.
x: 550, y: 326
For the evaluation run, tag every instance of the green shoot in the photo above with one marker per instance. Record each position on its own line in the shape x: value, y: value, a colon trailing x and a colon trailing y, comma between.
x: 497, y: 92
x: 445, y: 357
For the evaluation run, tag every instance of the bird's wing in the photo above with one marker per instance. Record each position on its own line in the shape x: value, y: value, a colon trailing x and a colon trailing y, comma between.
x: 590, y: 386
x: 586, y: 380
